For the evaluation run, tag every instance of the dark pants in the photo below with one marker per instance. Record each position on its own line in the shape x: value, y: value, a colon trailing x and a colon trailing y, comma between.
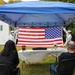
x: 16, y: 41
x: 53, y: 69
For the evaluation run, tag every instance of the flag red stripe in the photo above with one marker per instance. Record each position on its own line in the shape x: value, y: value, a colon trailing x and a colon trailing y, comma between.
x: 24, y: 38
x: 39, y: 45
x: 30, y: 31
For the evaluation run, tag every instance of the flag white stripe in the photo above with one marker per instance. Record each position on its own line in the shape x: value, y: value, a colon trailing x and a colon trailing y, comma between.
x: 31, y: 29
x: 31, y: 37
x: 32, y: 33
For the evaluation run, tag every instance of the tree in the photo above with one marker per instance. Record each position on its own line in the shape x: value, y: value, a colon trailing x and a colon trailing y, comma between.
x: 70, y: 1
x: 2, y: 2
x: 11, y: 1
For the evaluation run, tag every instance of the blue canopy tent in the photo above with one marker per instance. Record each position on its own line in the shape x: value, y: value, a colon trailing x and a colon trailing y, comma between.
x: 38, y: 13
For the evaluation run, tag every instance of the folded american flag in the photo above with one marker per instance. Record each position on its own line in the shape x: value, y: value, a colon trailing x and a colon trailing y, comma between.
x: 40, y: 37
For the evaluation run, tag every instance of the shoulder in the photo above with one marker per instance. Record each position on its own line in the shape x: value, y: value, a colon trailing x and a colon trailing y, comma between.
x: 64, y: 54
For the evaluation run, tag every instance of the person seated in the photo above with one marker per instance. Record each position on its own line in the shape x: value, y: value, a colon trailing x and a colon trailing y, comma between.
x: 9, y: 55
x: 64, y: 56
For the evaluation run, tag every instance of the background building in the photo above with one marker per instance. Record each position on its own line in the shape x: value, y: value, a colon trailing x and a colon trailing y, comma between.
x: 4, y: 32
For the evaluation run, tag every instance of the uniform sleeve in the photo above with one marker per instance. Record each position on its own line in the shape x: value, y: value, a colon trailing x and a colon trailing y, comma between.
x: 65, y: 30
x: 68, y: 39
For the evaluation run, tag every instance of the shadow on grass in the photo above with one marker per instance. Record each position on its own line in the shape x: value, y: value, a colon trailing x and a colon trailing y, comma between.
x: 40, y: 68
x: 36, y: 69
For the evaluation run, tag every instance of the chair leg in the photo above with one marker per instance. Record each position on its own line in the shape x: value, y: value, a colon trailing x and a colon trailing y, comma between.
x: 23, y: 64
x: 50, y: 69
x: 18, y: 71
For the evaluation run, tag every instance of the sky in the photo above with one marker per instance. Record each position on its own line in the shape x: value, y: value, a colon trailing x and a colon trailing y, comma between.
x: 22, y: 0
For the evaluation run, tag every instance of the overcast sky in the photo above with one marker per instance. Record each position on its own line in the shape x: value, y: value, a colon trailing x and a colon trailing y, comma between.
x: 22, y: 0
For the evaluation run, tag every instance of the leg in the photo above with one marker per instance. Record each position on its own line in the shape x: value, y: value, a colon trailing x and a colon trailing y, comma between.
x: 53, y: 69
x: 16, y: 41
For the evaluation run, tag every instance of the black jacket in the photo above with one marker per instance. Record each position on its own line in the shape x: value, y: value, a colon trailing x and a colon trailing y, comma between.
x: 12, y: 61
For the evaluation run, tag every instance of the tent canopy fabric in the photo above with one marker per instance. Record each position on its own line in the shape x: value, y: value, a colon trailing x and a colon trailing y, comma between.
x: 38, y: 13
x: 38, y: 7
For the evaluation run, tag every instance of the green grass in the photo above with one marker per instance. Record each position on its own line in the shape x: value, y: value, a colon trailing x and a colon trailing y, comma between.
x: 40, y: 68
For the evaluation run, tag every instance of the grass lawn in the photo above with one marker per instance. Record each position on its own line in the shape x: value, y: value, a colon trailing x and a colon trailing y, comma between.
x: 40, y: 68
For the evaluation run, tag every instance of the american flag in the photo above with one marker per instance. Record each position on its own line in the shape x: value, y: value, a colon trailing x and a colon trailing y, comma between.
x: 40, y: 37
